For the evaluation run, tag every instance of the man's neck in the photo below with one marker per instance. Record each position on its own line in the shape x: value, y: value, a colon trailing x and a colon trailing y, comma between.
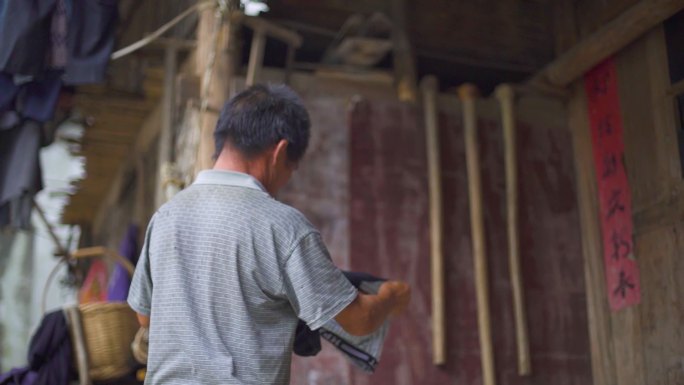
x: 233, y: 162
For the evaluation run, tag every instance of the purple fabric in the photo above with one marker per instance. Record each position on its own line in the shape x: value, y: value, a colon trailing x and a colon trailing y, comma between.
x: 18, y: 376
x: 49, y: 357
x: 120, y: 281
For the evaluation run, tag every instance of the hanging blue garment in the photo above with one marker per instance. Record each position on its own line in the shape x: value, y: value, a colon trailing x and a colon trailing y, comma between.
x: 25, y: 35
x: 90, y: 40
x: 20, y: 173
x: 74, y: 36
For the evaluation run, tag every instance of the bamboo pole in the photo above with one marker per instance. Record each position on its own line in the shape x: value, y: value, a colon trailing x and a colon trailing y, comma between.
x: 215, y: 64
x: 506, y: 96
x: 60, y: 250
x: 73, y: 316
x: 429, y: 90
x: 165, y: 153
x: 468, y: 93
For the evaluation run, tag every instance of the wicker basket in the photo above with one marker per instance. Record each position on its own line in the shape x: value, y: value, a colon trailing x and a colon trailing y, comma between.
x: 108, y: 330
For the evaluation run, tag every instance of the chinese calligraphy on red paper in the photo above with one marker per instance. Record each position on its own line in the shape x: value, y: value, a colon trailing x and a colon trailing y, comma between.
x: 615, y: 200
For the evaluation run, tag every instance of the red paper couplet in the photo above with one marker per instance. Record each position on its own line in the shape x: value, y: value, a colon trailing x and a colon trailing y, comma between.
x: 615, y: 198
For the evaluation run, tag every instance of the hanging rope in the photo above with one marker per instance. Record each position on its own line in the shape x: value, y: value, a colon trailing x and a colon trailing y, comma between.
x: 161, y: 30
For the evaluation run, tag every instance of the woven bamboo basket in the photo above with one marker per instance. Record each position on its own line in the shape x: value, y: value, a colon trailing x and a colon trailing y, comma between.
x: 108, y: 329
x: 102, y: 332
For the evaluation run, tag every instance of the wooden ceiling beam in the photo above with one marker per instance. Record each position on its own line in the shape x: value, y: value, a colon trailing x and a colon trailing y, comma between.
x: 607, y: 41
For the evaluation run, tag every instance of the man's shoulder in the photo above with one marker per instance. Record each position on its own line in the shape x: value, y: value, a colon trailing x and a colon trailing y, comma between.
x: 287, y: 216
x: 258, y: 206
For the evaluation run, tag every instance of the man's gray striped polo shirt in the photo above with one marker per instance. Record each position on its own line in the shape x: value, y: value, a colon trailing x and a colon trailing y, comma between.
x: 225, y: 272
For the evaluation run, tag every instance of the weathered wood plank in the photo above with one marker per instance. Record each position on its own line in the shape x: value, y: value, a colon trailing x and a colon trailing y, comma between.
x: 600, y: 327
x: 644, y: 156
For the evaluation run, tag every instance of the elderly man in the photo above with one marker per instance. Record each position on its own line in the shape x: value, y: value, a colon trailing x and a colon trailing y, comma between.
x: 226, y: 270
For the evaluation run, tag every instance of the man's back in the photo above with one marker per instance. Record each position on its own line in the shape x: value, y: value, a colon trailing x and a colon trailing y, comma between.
x: 225, y: 273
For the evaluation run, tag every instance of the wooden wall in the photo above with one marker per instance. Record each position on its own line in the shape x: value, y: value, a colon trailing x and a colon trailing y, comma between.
x: 363, y: 183
x: 389, y: 236
x: 644, y: 344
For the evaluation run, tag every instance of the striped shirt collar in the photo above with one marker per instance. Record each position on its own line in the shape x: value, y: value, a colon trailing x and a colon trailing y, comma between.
x: 229, y: 178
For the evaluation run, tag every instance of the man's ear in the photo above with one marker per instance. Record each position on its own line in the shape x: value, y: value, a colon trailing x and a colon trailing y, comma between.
x: 280, y: 152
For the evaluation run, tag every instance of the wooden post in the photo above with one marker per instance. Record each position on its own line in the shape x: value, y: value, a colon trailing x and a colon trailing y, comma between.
x: 468, y: 93
x: 603, y: 363
x: 429, y: 89
x: 404, y: 66
x: 506, y: 96
x: 256, y: 57
x: 263, y: 28
x: 289, y: 63
x: 215, y: 66
x: 166, y: 134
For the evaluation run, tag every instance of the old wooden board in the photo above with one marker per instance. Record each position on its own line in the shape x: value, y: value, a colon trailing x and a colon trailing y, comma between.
x: 388, y: 236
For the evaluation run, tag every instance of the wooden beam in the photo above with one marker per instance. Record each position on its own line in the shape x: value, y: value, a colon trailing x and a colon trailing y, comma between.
x: 285, y: 35
x: 608, y: 40
x: 462, y: 58
x: 429, y: 87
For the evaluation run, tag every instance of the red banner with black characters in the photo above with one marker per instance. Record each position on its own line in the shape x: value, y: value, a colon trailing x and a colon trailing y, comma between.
x: 615, y: 199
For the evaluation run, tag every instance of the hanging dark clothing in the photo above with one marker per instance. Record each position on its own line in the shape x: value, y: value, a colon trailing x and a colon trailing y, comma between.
x: 25, y: 35
x: 49, y: 357
x: 20, y: 173
x: 90, y: 40
x: 74, y: 36
x: 35, y: 99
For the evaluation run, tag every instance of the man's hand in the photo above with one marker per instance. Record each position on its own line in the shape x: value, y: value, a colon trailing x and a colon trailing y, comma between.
x: 368, y: 312
x: 400, y: 292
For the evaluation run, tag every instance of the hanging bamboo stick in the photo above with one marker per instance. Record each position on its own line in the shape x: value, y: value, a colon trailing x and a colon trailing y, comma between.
x: 60, y: 250
x: 429, y: 89
x: 506, y: 96
x: 468, y: 93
